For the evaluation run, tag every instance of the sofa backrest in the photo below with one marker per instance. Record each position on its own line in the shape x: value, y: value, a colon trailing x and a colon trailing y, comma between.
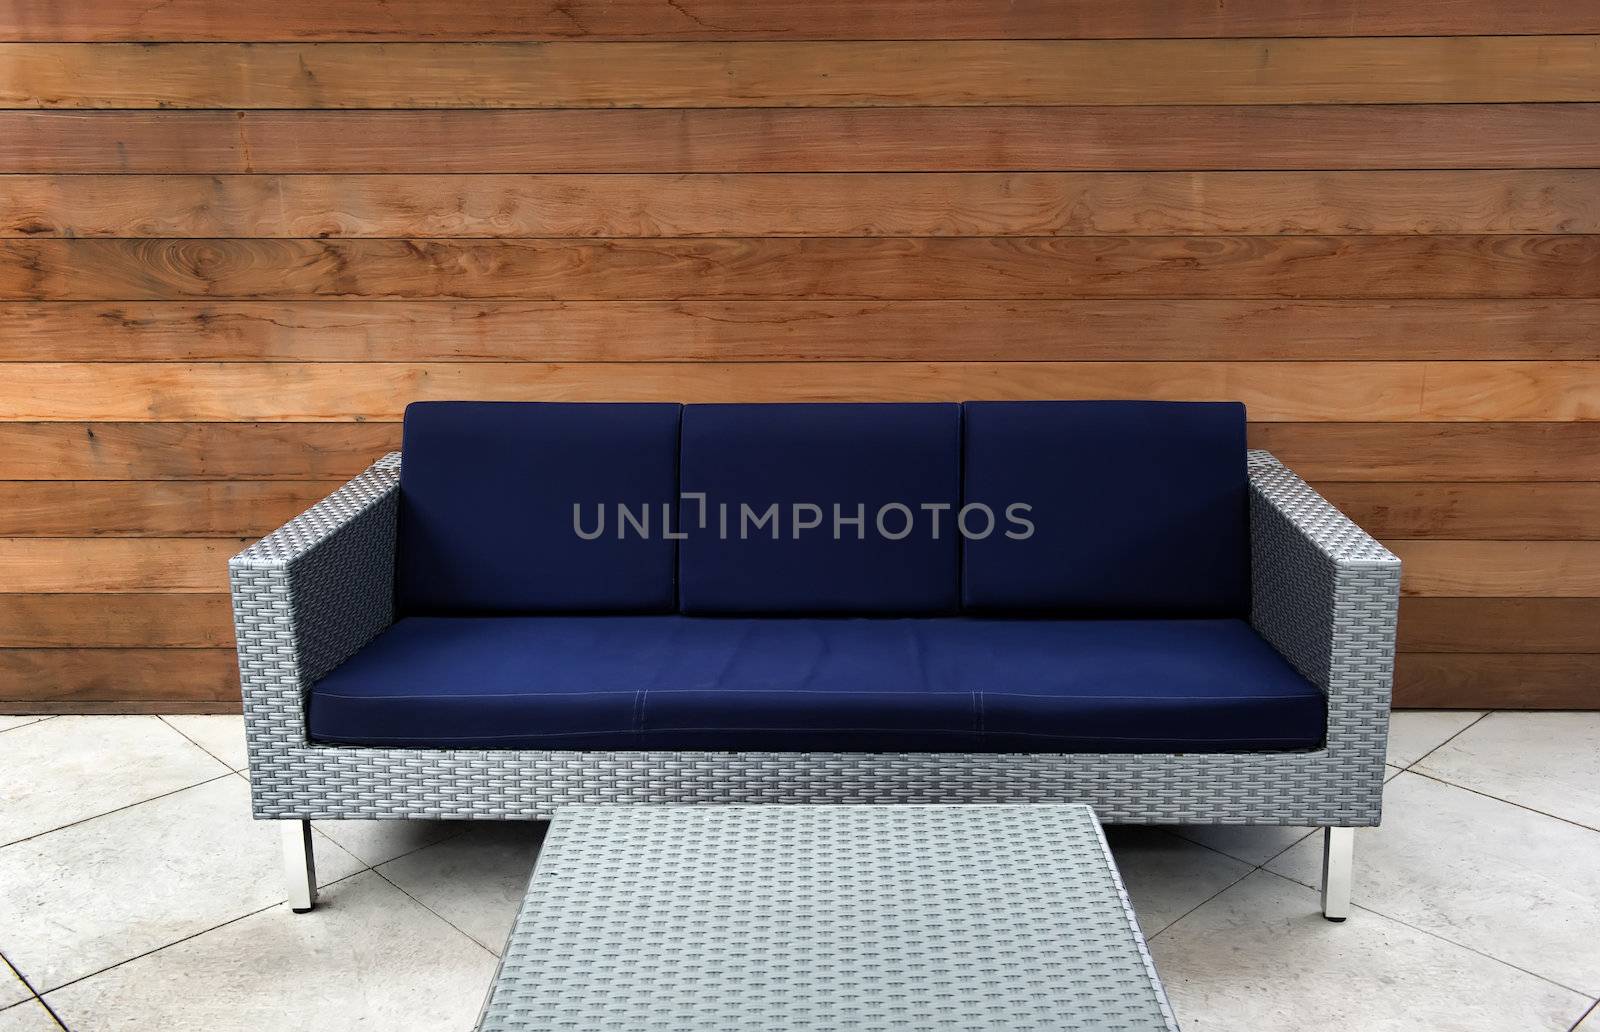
x: 809, y: 460
x: 1126, y: 508
x: 1139, y: 508
x: 486, y: 507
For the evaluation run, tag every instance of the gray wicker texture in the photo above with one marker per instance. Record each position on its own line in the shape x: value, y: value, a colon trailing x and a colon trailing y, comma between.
x: 813, y: 918
x: 309, y: 595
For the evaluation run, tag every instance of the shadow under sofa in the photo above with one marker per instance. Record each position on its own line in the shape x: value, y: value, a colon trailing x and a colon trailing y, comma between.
x: 1170, y: 628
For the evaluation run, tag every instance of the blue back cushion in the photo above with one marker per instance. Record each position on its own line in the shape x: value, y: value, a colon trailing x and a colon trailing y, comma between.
x: 487, y: 491
x: 821, y: 455
x: 1140, y: 508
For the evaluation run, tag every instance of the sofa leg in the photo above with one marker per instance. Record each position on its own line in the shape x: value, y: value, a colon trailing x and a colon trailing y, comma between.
x: 1338, y: 857
x: 299, y: 866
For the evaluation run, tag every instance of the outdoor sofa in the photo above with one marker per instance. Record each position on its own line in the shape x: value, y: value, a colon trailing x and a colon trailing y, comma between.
x: 1158, y: 622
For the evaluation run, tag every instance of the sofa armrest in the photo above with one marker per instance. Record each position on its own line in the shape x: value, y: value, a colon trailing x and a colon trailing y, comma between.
x: 1326, y: 595
x: 310, y: 594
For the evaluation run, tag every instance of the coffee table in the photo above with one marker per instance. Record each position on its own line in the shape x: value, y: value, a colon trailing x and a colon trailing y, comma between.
x: 773, y: 917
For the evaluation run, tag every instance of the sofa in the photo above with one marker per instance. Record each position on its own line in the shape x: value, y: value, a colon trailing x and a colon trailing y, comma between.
x: 535, y: 604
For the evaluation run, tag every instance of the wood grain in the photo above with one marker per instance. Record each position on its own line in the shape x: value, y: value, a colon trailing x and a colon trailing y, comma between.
x: 736, y: 331
x: 73, y: 565
x: 1524, y: 511
x: 67, y: 509
x: 235, y: 240
x: 224, y: 21
x: 1434, y: 452
x: 805, y: 269
x: 327, y: 451
x: 1457, y: 681
x: 340, y: 392
x: 191, y: 451
x: 1484, y: 69
x: 118, y: 680
x: 1490, y: 625
x: 924, y: 139
x: 104, y: 620
x: 1500, y: 569
x: 804, y: 204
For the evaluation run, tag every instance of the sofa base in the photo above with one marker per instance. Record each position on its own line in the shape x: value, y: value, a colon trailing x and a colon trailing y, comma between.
x: 1317, y: 788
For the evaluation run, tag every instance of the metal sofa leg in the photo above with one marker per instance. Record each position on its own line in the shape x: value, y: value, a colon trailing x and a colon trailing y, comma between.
x: 1338, y: 857
x: 299, y: 866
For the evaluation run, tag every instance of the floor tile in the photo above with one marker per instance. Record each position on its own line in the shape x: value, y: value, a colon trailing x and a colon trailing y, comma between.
x: 1549, y: 761
x: 1492, y: 876
x: 1260, y: 958
x: 221, y: 735
x: 67, y: 769
x: 1413, y: 734
x: 477, y: 880
x: 7, y: 723
x: 97, y: 893
x: 1255, y: 844
x: 27, y: 1017
x: 1168, y: 876
x: 368, y: 958
x: 11, y: 988
x: 1590, y: 1023
x: 377, y: 842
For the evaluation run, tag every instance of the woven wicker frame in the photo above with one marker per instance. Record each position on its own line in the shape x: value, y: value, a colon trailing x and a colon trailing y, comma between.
x: 309, y: 595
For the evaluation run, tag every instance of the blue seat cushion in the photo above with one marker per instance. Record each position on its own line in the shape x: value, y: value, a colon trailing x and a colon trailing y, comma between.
x: 853, y: 458
x: 818, y: 684
x: 487, y: 491
x: 1140, y: 509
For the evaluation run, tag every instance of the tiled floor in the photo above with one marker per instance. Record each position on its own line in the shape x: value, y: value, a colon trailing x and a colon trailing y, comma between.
x: 136, y: 893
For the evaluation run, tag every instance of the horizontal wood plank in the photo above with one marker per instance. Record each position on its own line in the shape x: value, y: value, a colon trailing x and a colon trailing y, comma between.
x: 930, y: 139
x: 737, y: 331
x: 1524, y: 511
x: 1506, y: 681
x: 118, y: 680
x: 323, y: 451
x: 1500, y: 569
x: 806, y: 269
x: 341, y: 392
x: 804, y: 204
x: 67, y: 509
x: 225, y: 21
x: 1493, y: 451
x: 1451, y: 70
x: 192, y: 451
x: 1488, y: 625
x: 75, y: 565
x: 106, y: 620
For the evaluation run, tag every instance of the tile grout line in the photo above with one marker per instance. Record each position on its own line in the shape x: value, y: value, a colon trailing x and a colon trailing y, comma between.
x: 315, y: 823
x: 1442, y: 938
x: 163, y: 718
x: 119, y: 809
x: 29, y: 986
x: 28, y: 723
x: 401, y: 889
x: 1445, y: 781
x: 1262, y: 866
x: 191, y: 935
x: 1480, y: 719
x: 1436, y: 779
x: 1594, y: 1008
x: 1170, y: 924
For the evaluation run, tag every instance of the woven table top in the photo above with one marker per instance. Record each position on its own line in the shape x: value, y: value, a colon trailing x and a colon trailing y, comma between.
x: 859, y: 918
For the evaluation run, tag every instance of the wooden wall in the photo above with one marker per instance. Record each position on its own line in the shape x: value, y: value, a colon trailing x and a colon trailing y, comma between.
x: 235, y: 239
